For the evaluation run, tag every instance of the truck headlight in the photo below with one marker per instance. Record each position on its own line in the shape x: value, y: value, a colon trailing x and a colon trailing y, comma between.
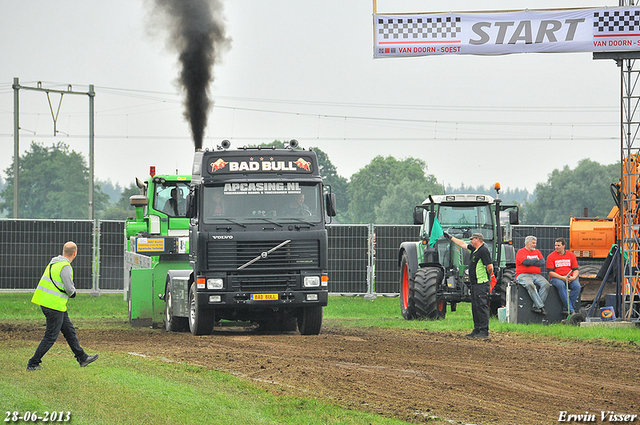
x: 215, y: 283
x: 311, y: 281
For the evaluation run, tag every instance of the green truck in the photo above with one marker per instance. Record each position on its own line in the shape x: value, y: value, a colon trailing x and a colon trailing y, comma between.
x: 241, y: 239
x: 434, y: 275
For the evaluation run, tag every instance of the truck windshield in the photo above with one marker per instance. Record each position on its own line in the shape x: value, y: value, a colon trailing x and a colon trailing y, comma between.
x: 170, y: 198
x: 274, y: 201
x: 464, y: 221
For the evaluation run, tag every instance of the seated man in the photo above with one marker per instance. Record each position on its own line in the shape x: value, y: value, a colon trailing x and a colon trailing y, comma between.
x: 297, y: 207
x: 529, y: 261
x: 563, y: 268
x: 176, y: 205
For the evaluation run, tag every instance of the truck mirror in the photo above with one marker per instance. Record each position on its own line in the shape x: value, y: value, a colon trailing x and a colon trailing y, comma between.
x: 191, y: 205
x: 138, y: 201
x: 418, y: 216
x: 513, y: 217
x: 331, y: 204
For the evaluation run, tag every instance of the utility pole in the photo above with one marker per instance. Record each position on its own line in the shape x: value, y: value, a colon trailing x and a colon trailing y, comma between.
x: 16, y: 135
x: 16, y: 145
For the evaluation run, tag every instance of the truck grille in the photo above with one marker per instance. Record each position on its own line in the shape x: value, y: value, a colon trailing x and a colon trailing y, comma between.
x: 264, y: 282
x: 230, y: 255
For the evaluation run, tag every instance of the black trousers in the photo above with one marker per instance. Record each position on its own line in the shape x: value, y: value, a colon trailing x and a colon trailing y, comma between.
x: 480, y: 306
x: 57, y: 321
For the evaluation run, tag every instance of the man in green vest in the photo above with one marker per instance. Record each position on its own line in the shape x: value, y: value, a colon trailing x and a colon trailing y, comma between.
x: 480, y: 271
x: 54, y: 290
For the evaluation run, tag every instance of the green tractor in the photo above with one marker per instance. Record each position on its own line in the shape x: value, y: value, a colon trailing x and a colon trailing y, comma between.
x: 156, y: 240
x: 433, y: 271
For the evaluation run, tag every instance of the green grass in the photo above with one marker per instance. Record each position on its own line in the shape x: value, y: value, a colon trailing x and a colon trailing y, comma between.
x: 125, y: 389
x: 19, y: 306
x: 385, y: 313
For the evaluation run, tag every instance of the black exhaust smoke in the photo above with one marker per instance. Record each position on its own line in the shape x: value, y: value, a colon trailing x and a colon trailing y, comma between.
x: 197, y: 32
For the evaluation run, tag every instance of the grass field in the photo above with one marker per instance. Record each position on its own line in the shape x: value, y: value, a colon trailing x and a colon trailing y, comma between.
x: 128, y: 389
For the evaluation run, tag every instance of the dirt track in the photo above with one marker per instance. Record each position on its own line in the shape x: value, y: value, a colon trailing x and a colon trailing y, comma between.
x: 407, y: 374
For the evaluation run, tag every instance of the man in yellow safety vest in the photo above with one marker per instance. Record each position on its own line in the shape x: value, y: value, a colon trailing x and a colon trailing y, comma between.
x: 54, y: 290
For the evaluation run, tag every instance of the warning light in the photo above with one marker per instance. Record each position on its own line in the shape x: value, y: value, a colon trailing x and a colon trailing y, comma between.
x: 152, y: 170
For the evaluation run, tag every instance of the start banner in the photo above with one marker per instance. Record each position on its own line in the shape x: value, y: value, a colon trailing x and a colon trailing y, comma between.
x: 499, y: 33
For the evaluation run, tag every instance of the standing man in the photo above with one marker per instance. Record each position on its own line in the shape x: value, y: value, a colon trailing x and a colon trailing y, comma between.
x: 563, y: 267
x: 529, y: 262
x: 480, y: 271
x: 54, y: 290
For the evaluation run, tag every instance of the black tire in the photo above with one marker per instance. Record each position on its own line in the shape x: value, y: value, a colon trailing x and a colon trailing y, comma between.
x: 576, y: 319
x: 498, y: 297
x: 200, y: 319
x: 310, y: 320
x: 589, y: 269
x: 171, y: 322
x: 406, y: 290
x: 425, y: 285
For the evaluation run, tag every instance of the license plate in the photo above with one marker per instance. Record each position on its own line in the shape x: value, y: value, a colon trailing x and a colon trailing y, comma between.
x: 264, y: 297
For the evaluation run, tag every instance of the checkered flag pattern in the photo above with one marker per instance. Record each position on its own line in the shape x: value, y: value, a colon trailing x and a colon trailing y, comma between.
x: 419, y: 28
x: 616, y: 21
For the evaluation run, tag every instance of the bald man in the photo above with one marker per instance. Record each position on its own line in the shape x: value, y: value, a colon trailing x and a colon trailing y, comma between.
x: 54, y: 290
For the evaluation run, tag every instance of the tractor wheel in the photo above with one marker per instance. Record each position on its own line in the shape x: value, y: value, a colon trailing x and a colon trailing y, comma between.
x: 426, y: 303
x: 200, y: 319
x: 310, y: 320
x: 406, y: 290
x: 172, y: 323
x: 498, y: 297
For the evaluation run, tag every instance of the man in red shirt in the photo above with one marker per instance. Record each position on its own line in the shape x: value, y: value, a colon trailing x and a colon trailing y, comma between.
x: 529, y: 262
x: 563, y: 265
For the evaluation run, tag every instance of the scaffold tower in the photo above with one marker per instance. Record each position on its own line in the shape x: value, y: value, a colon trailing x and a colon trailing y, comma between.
x: 627, y: 191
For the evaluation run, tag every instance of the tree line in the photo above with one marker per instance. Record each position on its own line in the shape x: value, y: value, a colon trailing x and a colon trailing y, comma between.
x: 54, y: 184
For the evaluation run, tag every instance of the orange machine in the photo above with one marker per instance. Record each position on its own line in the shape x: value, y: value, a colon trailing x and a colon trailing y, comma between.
x: 593, y: 237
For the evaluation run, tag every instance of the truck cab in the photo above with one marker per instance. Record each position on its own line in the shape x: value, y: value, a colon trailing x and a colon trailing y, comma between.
x: 257, y: 242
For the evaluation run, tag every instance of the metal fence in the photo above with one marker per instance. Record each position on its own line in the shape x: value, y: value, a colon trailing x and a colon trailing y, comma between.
x: 27, y: 246
x: 363, y: 259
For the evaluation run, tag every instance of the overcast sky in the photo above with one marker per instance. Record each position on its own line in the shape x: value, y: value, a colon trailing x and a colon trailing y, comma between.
x: 305, y: 70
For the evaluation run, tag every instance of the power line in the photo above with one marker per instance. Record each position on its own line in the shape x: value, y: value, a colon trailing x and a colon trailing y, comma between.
x: 339, y: 138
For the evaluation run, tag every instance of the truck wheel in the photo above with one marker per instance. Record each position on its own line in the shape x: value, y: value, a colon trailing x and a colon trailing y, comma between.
x: 310, y: 320
x: 406, y: 290
x: 426, y: 303
x: 498, y: 297
x: 200, y: 319
x: 172, y: 323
